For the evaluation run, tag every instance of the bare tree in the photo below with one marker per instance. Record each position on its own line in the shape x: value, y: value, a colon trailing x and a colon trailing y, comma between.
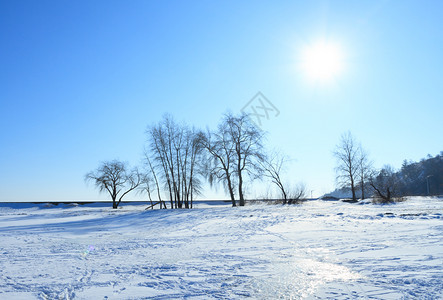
x: 187, y: 155
x: 149, y: 179
x: 146, y: 186
x: 157, y: 137
x: 192, y: 166
x: 234, y: 151
x: 219, y: 164
x: 272, y: 167
x: 248, y: 147
x: 385, y: 184
x: 114, y: 178
x: 364, y: 170
x: 347, y: 154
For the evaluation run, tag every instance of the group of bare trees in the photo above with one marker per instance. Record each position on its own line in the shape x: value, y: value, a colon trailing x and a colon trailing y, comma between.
x: 172, y: 159
x: 179, y: 159
x: 355, y: 171
x: 353, y: 166
x: 233, y: 152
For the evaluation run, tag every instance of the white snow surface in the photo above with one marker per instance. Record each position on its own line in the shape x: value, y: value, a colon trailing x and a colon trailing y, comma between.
x: 316, y: 250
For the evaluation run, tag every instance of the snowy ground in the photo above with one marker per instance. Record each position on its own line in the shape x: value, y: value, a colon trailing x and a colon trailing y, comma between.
x: 317, y: 250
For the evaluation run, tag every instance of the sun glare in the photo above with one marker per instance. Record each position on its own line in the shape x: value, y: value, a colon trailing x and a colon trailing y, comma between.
x: 322, y: 61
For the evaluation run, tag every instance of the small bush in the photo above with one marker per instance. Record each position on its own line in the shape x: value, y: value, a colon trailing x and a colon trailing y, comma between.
x: 379, y: 200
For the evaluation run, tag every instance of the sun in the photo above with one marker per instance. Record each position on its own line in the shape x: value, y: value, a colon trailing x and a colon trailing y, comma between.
x: 322, y: 61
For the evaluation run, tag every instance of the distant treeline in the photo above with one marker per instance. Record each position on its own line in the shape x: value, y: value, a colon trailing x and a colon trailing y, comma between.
x: 422, y: 178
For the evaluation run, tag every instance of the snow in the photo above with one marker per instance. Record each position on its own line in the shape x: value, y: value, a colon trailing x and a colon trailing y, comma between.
x: 317, y: 250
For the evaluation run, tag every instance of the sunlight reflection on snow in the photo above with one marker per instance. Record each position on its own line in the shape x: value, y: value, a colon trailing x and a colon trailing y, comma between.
x: 301, y: 278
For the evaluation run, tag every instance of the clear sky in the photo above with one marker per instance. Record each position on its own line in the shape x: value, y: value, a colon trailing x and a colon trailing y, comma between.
x: 81, y: 80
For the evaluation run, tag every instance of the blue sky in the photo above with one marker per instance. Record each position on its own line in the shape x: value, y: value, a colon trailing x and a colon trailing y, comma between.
x: 81, y: 81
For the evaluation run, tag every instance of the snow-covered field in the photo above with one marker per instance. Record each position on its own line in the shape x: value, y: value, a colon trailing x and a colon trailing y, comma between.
x: 316, y: 250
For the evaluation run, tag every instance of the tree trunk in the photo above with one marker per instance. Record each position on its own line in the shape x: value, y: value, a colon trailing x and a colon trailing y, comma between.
x: 362, y: 190
x: 114, y: 198
x: 170, y: 194
x: 354, y: 198
x: 231, y: 192
x: 240, y: 189
x: 285, y: 196
x: 192, y: 198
